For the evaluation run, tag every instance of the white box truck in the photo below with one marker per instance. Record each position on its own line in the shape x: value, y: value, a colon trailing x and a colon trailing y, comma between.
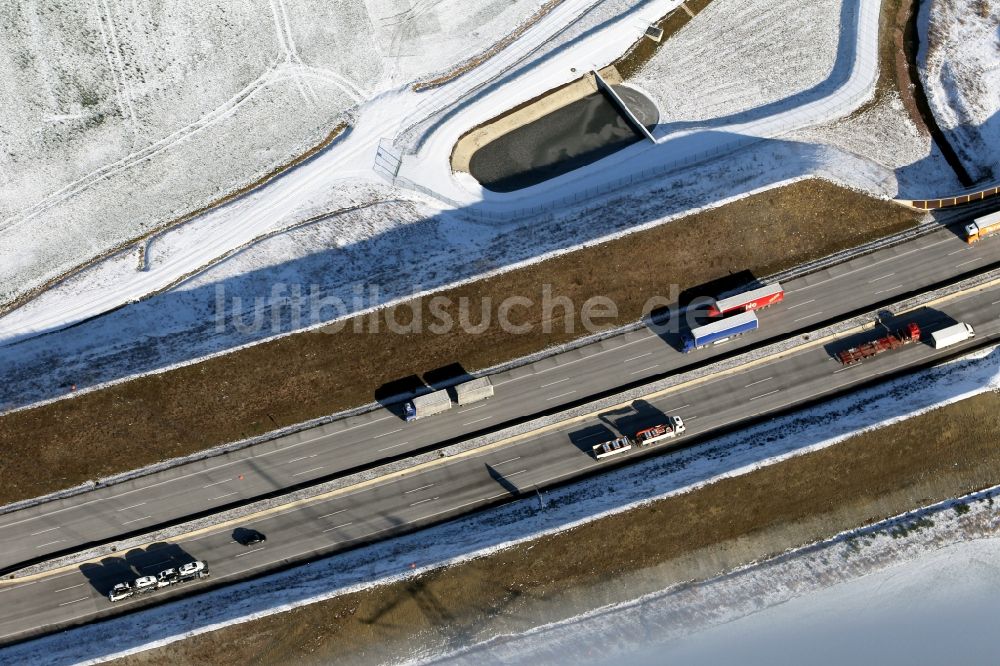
x: 952, y: 335
x: 473, y: 390
x: 426, y: 405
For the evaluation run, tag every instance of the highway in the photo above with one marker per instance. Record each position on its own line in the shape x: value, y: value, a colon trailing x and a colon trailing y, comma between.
x: 550, y: 383
x: 462, y: 483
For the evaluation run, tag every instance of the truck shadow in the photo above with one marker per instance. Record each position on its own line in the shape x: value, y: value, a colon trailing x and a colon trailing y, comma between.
x: 392, y: 395
x: 446, y: 377
x: 504, y: 482
x: 630, y: 420
x: 585, y: 438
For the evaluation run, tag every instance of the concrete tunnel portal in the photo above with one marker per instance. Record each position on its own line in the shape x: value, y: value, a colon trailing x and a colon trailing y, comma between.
x: 607, y: 119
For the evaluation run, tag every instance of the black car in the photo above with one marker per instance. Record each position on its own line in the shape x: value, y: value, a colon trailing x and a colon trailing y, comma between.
x: 248, y: 537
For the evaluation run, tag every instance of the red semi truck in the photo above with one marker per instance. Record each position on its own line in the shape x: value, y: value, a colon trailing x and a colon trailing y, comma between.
x: 895, y: 340
x: 755, y: 299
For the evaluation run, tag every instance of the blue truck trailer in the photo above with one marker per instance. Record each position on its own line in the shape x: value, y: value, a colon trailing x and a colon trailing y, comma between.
x: 720, y: 330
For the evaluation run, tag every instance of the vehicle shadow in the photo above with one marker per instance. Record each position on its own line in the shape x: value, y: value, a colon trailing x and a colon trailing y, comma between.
x: 629, y: 420
x: 504, y: 482
x: 585, y: 438
x: 392, y: 395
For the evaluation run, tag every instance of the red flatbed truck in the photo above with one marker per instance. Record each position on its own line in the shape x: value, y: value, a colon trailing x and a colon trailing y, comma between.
x: 904, y: 336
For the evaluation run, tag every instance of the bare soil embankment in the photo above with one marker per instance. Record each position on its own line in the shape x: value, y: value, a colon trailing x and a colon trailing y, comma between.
x: 935, y: 456
x: 308, y: 375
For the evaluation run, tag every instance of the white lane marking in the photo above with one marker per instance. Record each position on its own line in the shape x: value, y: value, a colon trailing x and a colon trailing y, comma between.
x: 255, y: 550
x: 577, y: 360
x: 964, y: 249
x: 507, y: 476
x: 337, y: 527
x: 799, y: 305
x: 874, y: 264
x: 638, y: 357
x: 759, y: 381
x: 882, y: 291
x: 63, y: 589
x: 327, y: 515
x: 691, y: 418
x: 469, y: 409
x: 815, y: 314
x: 847, y: 367
x: 407, y: 492
x: 136, y: 520
x: 212, y: 499
x: 394, y: 446
x: 561, y: 395
x: 126, y: 508
x: 676, y: 409
x: 67, y: 603
x: 596, y: 434
x: 504, y: 462
x: 35, y: 582
x: 881, y: 278
x: 429, y: 499
x: 485, y: 418
x: 639, y: 372
x: 314, y: 469
x: 289, y: 462
x: 994, y: 302
x: 764, y: 395
x: 391, y: 432
x: 319, y: 437
x: 48, y: 530
x: 209, y: 485
x: 556, y: 382
x: 50, y: 543
x: 970, y: 261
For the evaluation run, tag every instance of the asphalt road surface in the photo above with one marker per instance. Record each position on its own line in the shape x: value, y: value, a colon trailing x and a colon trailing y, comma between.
x: 455, y: 486
x: 549, y: 383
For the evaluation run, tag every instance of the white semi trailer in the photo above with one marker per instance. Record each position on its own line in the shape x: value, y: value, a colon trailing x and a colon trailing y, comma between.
x: 952, y: 335
x: 474, y: 391
x: 426, y: 405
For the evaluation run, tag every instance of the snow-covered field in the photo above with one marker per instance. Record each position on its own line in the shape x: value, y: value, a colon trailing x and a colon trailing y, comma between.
x: 712, y: 68
x: 960, y: 69
x: 118, y: 118
x: 558, y: 510
x: 883, y: 133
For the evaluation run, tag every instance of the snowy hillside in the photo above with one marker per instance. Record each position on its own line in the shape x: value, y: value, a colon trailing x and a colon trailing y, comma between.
x: 960, y: 68
x: 714, y: 67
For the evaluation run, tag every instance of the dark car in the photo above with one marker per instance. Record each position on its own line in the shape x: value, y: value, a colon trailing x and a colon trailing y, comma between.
x: 248, y: 537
